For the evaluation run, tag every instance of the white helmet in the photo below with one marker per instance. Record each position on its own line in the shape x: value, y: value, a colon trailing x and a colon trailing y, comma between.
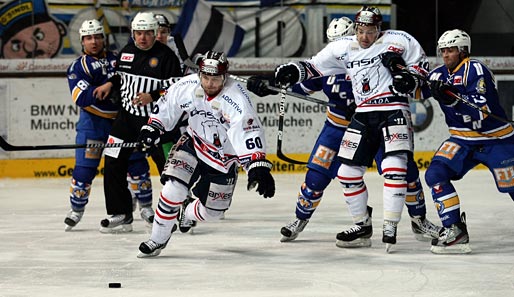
x: 456, y: 38
x: 340, y: 27
x: 91, y: 27
x: 144, y: 21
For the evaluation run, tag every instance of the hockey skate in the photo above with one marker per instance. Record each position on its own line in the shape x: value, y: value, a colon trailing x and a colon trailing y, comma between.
x: 147, y: 214
x: 184, y: 224
x: 389, y: 234
x: 452, y: 240
x: 116, y: 224
x: 358, y: 235
x: 72, y: 219
x: 423, y: 229
x: 151, y: 248
x: 291, y: 231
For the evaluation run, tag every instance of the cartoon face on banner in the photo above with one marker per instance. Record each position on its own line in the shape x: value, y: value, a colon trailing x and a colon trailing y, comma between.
x: 27, y: 30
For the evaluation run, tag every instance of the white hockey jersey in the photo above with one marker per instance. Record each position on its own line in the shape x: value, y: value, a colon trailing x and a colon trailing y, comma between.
x: 225, y: 129
x: 371, y: 80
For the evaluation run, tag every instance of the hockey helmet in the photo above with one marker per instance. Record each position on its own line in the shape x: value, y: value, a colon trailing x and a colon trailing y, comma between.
x: 340, y: 27
x: 144, y: 21
x: 457, y: 38
x: 162, y: 20
x: 91, y: 27
x: 369, y: 16
x: 214, y: 63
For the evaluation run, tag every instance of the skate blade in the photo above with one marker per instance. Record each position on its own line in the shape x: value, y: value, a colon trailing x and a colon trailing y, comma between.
x: 389, y: 248
x: 68, y: 228
x: 357, y: 243
x: 118, y: 229
x: 153, y: 254
x: 462, y: 248
x: 288, y: 238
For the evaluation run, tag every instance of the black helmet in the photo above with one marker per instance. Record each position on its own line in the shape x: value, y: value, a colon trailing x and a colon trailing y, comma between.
x: 162, y: 20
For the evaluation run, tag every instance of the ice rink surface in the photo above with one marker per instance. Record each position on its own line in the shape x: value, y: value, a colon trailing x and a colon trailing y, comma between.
x: 242, y: 255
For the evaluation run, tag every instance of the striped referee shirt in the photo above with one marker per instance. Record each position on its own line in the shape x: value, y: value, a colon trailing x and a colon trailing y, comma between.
x: 140, y: 71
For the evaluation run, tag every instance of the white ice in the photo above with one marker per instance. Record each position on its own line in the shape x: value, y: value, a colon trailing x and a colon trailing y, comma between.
x: 242, y: 255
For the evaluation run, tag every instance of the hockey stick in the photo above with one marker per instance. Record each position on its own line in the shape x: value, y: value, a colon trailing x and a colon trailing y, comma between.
x: 282, y: 111
x: 457, y: 97
x: 100, y: 16
x: 289, y: 93
x: 9, y: 147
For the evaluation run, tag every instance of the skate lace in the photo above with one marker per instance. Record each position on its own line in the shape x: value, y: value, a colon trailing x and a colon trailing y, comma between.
x: 449, y: 234
x: 75, y: 215
x: 389, y: 229
x: 114, y: 220
x: 429, y: 227
x: 353, y: 229
x: 295, y: 225
x: 152, y: 245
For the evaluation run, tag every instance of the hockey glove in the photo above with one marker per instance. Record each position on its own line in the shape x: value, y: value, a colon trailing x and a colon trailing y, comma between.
x: 259, y: 174
x: 256, y: 85
x: 149, y: 136
x: 289, y: 74
x: 404, y: 84
x: 438, y: 90
x: 391, y: 60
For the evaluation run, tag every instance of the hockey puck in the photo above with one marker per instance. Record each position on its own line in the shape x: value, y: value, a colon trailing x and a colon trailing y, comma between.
x: 114, y: 285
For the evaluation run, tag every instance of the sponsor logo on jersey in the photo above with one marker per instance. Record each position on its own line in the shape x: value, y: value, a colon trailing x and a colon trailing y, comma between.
x: 457, y: 80
x: 504, y: 177
x: 448, y: 150
x: 349, y: 144
x: 394, y: 49
x: 153, y: 62
x: 182, y: 165
x: 125, y: 57
x: 222, y: 196
x: 396, y: 137
x: 324, y: 156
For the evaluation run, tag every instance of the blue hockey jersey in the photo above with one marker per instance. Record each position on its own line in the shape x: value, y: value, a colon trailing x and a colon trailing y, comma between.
x: 476, y: 84
x: 84, y: 75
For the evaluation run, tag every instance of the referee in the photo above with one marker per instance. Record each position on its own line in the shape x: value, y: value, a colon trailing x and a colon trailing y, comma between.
x: 144, y: 68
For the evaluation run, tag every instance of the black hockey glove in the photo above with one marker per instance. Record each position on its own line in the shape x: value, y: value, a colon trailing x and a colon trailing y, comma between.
x: 259, y: 174
x: 256, y: 85
x: 289, y: 74
x: 438, y: 90
x: 404, y: 84
x: 149, y: 136
x: 391, y: 60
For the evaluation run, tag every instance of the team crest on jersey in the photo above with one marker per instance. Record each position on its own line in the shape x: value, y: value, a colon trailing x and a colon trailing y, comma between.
x: 153, y: 62
x: 126, y: 57
x: 481, y: 86
x: 368, y: 82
